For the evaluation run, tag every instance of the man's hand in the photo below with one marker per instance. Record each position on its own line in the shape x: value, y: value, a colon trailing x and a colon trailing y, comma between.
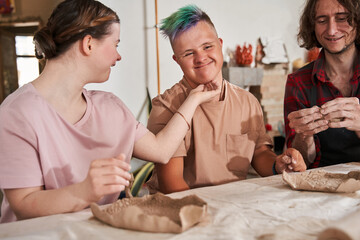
x: 290, y: 161
x: 308, y: 121
x: 342, y: 113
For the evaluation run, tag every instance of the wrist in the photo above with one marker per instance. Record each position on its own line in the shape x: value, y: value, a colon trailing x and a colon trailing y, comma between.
x: 186, y: 121
x: 193, y: 98
x: 189, y: 106
x: 308, y: 140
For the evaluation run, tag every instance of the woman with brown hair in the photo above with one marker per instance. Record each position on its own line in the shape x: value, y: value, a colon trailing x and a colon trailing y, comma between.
x: 62, y: 146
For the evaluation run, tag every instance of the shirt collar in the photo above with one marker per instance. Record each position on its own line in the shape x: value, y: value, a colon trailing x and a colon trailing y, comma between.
x: 223, y: 88
x: 319, y: 68
x: 319, y: 73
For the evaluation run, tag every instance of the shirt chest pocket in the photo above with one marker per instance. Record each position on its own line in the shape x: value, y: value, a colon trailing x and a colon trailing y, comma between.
x: 240, y: 150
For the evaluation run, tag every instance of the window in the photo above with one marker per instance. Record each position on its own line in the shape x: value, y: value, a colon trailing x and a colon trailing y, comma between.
x: 18, y: 64
x: 27, y: 63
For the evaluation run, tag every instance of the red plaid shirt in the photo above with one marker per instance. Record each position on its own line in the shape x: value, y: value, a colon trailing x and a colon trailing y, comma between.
x: 310, y: 86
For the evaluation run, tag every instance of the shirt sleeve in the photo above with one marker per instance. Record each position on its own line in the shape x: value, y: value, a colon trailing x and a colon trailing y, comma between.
x: 19, y: 160
x: 140, y: 129
x: 263, y: 137
x: 295, y: 99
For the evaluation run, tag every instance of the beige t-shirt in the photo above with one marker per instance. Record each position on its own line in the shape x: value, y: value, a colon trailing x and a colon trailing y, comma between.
x: 220, y: 145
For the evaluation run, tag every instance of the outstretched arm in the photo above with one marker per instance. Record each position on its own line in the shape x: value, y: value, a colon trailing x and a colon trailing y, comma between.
x: 160, y: 147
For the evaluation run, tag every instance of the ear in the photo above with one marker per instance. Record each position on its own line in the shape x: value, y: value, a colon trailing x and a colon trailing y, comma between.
x: 221, y: 42
x: 86, y: 44
x: 175, y: 59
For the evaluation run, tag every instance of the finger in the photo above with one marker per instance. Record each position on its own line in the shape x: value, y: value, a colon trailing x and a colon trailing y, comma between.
x: 299, y: 167
x: 211, y: 87
x: 99, y: 163
x: 314, y: 131
x: 317, y: 124
x: 347, y: 104
x: 337, y: 101
x: 121, y: 156
x: 303, y: 112
x: 217, y: 84
x: 115, y: 170
x: 297, y: 161
x: 97, y: 173
x: 110, y: 189
x: 285, y: 159
x: 347, y: 111
x: 350, y: 107
x: 113, y: 180
x: 291, y: 153
x: 312, y: 128
x: 103, y: 185
x: 199, y: 88
x: 308, y: 123
x: 345, y: 123
x: 305, y: 119
x: 331, y: 109
x: 337, y: 116
x: 213, y: 92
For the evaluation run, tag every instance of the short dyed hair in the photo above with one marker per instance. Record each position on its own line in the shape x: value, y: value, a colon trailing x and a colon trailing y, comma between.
x: 306, y: 36
x: 182, y: 20
x: 71, y: 21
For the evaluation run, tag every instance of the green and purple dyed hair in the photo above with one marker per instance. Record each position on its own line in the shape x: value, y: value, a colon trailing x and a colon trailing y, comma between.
x: 182, y: 20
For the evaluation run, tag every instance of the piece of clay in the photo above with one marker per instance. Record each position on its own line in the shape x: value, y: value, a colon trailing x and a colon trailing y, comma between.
x: 153, y: 213
x: 320, y: 180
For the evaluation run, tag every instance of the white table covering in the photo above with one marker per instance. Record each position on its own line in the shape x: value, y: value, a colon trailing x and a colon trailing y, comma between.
x: 259, y: 208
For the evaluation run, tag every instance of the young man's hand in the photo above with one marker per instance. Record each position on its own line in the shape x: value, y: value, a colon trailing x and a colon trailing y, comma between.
x: 290, y: 161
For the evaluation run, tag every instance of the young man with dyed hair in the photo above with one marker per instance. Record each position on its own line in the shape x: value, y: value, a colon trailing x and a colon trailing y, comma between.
x: 225, y: 135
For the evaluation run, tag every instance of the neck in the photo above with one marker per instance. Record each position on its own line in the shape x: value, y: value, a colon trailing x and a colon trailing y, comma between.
x: 59, y: 83
x: 341, y: 63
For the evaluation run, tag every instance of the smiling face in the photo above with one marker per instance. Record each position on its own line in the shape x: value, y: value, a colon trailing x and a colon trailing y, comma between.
x: 198, y: 51
x: 106, y: 54
x: 332, y: 28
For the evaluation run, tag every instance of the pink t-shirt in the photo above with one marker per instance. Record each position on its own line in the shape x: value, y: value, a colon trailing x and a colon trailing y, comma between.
x: 39, y: 148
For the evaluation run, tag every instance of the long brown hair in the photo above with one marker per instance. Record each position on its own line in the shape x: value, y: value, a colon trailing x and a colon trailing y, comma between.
x: 70, y: 21
x: 306, y: 36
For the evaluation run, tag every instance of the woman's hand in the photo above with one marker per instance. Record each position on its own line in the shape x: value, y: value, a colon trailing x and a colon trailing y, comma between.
x: 204, y: 93
x: 106, y: 176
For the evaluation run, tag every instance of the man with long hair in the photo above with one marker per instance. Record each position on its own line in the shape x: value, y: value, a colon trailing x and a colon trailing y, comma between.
x: 321, y: 105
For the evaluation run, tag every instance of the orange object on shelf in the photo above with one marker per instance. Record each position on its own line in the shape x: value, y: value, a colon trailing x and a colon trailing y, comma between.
x: 313, y: 54
x: 243, y: 55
